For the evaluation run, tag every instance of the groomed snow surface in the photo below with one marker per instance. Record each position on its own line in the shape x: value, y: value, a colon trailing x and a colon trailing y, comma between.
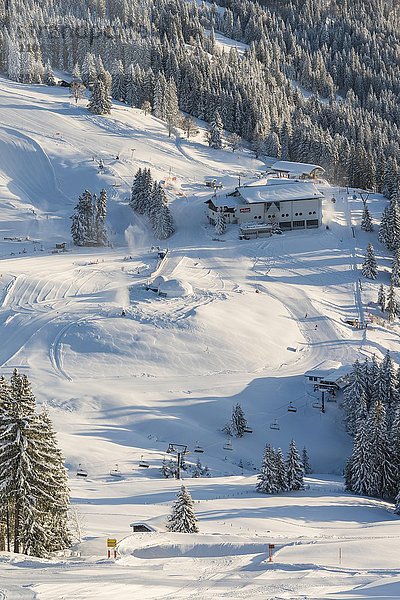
x: 236, y: 321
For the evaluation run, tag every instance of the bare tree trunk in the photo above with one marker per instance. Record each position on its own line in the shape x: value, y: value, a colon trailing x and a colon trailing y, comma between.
x: 16, y: 527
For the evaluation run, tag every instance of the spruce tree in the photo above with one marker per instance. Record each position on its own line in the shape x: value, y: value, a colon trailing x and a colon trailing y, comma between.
x: 164, y: 223
x: 383, y: 459
x: 99, y: 103
x: 382, y: 298
x: 363, y: 479
x: 214, y: 133
x: 281, y: 472
x: 267, y: 483
x: 369, y: 267
x: 366, y: 221
x: 183, y: 518
x: 33, y: 481
x: 294, y: 469
x: 48, y: 77
x: 238, y: 422
x: 220, y: 223
x: 395, y: 276
x: 118, y: 85
x: 354, y: 402
x: 392, y: 307
x: 100, y: 218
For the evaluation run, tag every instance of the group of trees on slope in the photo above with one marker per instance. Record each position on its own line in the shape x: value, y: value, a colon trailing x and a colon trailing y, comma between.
x: 372, y: 416
x: 342, y: 52
x: 148, y: 198
x: 88, y: 226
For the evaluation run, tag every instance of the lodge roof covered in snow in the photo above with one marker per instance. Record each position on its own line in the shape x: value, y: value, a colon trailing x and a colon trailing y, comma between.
x: 220, y: 200
x: 279, y: 191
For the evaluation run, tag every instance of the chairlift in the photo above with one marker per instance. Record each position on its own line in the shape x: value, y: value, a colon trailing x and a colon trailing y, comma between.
x: 81, y: 472
x: 115, y: 472
x: 228, y: 445
x: 143, y: 463
x: 247, y: 430
x: 292, y: 408
x: 198, y: 448
x: 274, y: 425
x: 317, y: 404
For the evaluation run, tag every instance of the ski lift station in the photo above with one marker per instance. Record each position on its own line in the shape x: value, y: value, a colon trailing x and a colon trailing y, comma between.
x: 329, y: 376
x: 278, y: 202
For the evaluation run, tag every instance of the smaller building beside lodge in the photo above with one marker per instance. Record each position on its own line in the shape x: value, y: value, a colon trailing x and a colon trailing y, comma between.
x: 287, y: 203
x: 285, y: 168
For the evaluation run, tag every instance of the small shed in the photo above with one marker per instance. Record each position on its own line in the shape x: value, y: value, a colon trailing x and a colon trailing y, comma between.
x: 141, y: 527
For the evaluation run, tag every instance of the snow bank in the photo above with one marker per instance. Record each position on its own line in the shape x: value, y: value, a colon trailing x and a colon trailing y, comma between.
x: 174, y: 288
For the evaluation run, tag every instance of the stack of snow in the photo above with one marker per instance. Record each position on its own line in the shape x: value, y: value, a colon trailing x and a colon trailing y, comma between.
x: 174, y: 288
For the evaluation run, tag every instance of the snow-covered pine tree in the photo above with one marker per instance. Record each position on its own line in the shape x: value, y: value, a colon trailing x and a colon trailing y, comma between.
x: 214, y: 132
x: 267, y: 476
x: 383, y: 461
x: 354, y: 402
x: 238, y: 422
x: 281, y: 472
x: 381, y: 298
x: 141, y: 191
x: 392, y: 306
x: 48, y: 76
x: 366, y: 221
x: 294, y: 469
x: 361, y: 477
x: 118, y: 85
x: 395, y: 276
x: 171, y: 106
x: 385, y: 234
x: 306, y: 462
x: 234, y: 141
x: 33, y: 482
x: 183, y: 518
x: 100, y: 218
x: 369, y: 268
x: 99, y: 103
x: 55, y: 503
x: 136, y: 189
x: 165, y: 469
x: 164, y: 225
x: 220, y: 223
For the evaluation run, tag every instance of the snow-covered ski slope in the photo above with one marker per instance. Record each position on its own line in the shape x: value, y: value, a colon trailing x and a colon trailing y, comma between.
x: 172, y: 368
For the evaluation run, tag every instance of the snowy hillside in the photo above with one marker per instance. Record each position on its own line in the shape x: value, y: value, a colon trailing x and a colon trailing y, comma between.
x: 246, y: 320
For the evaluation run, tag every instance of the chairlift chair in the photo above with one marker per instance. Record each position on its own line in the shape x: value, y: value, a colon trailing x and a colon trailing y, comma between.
x: 228, y: 445
x: 198, y: 449
x: 81, y: 472
x: 143, y: 463
x: 317, y: 404
x: 292, y: 408
x: 116, y: 472
x: 274, y: 425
